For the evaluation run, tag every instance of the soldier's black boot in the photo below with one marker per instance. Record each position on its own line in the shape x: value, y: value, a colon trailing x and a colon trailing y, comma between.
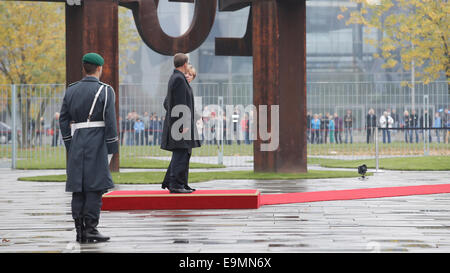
x: 91, y: 231
x: 79, y: 227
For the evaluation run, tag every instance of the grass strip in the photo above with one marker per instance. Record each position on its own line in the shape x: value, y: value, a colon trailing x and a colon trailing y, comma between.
x: 157, y: 177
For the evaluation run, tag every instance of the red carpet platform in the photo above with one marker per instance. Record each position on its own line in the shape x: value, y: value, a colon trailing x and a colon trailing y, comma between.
x: 200, y: 199
x: 249, y: 199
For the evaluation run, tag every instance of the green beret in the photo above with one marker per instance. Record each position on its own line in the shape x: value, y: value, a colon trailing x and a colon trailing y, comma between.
x: 93, y: 58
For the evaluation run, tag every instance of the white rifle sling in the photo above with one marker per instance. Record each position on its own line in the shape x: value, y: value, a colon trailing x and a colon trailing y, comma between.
x: 89, y: 123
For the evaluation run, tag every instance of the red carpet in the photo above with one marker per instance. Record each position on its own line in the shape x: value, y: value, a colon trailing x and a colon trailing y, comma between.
x: 249, y: 199
x: 200, y: 199
x: 301, y: 197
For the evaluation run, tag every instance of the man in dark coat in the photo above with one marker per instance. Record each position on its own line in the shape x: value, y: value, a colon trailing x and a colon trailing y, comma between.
x: 179, y: 130
x: 413, y: 123
x: 89, y: 129
x: 428, y: 124
x: 371, y: 123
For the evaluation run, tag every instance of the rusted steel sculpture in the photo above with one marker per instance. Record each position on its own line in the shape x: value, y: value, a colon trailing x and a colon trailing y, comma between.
x: 236, y: 46
x: 275, y: 37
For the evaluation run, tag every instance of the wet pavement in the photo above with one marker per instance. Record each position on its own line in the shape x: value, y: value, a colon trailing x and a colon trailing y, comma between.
x: 35, y: 217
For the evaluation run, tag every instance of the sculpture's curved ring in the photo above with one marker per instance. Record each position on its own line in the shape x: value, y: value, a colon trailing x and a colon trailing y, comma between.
x: 147, y: 22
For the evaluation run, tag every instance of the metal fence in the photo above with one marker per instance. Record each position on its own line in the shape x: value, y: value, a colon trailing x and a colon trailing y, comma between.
x: 415, y: 112
x: 31, y: 111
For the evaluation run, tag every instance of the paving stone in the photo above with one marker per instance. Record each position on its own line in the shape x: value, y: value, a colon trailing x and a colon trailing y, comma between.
x: 36, y: 217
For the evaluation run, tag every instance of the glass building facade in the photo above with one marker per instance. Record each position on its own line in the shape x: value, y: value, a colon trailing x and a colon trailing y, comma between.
x: 335, y: 51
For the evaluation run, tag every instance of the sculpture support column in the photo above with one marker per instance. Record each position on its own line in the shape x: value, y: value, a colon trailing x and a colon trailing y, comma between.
x: 279, y: 78
x: 93, y: 27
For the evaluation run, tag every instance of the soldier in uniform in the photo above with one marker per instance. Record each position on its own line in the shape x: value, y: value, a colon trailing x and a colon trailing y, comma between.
x: 89, y: 130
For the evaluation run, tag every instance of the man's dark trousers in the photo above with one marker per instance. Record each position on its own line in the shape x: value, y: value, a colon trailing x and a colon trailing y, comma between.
x: 178, y: 170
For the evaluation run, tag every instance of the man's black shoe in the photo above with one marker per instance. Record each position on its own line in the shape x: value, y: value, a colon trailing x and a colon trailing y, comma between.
x: 189, y: 188
x: 179, y: 190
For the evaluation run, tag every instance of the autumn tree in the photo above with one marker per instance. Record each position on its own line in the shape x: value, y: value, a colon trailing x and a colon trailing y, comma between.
x: 32, y: 46
x: 413, y: 32
x: 32, y: 52
x: 129, y: 40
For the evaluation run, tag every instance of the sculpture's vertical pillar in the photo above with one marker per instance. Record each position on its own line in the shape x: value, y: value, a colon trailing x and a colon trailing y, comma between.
x: 93, y: 27
x: 279, y: 78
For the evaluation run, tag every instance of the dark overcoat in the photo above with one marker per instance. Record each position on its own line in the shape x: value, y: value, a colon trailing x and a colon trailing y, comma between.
x: 371, y: 121
x: 179, y: 92
x: 88, y: 148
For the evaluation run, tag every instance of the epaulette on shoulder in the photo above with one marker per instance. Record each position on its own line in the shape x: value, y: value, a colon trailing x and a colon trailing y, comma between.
x: 73, y: 83
x: 105, y: 84
x: 108, y: 86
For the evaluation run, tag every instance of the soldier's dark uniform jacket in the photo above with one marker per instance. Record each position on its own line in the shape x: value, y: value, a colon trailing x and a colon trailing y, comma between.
x: 88, y: 148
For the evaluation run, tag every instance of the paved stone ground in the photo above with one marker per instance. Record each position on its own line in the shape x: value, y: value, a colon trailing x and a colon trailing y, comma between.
x: 35, y: 217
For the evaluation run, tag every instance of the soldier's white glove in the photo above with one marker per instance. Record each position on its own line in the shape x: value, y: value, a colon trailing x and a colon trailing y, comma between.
x: 109, y: 158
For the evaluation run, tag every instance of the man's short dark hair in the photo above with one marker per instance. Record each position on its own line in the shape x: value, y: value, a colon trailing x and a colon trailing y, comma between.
x: 179, y: 59
x: 89, y: 68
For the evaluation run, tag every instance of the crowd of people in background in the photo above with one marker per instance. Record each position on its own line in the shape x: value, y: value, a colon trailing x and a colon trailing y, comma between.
x: 146, y: 129
x: 320, y: 127
x: 335, y: 129
x: 143, y: 129
x: 37, y: 130
x: 235, y: 128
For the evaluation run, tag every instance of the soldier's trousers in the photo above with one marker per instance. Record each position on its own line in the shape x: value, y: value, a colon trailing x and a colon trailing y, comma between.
x: 87, y: 204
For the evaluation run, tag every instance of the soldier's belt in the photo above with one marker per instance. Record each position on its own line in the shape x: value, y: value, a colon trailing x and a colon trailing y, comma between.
x: 89, y: 124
